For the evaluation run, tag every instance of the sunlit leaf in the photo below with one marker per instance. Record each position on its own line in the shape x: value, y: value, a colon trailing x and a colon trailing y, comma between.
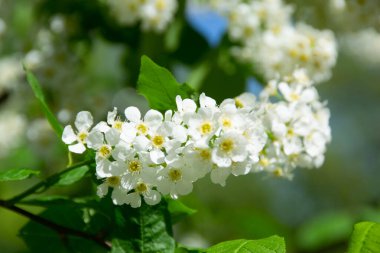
x: 178, y: 210
x: 273, y: 244
x: 365, y: 238
x: 159, y: 86
x: 73, y: 176
x: 17, y: 174
x: 37, y: 90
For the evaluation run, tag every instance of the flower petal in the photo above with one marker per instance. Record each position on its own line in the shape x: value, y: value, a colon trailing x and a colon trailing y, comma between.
x: 84, y: 121
x: 133, y: 199
x: 133, y: 114
x: 152, y: 198
x: 95, y: 139
x: 68, y: 135
x: 78, y: 148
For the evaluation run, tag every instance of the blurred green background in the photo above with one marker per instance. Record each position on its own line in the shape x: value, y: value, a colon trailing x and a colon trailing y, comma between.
x: 92, y: 64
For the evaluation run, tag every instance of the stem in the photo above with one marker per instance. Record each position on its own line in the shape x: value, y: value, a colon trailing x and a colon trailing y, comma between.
x: 61, y: 230
x: 46, y: 183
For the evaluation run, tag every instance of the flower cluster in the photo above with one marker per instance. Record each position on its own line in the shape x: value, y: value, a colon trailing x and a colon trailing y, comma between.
x: 154, y: 15
x: 297, y: 125
x: 164, y: 154
x: 268, y: 39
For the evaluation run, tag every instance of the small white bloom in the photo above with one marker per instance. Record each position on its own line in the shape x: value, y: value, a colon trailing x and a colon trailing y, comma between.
x: 229, y: 147
x: 77, y: 141
x: 142, y: 189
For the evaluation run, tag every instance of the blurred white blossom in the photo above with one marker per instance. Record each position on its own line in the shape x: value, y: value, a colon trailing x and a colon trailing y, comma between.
x: 154, y: 15
x: 12, y: 129
x: 268, y: 39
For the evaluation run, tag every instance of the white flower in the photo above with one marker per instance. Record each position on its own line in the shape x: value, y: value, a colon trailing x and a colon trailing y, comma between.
x: 246, y: 101
x: 198, y: 159
x: 219, y: 175
x: 127, y: 11
x: 185, y: 108
x: 203, y: 125
x: 176, y: 179
x: 156, y: 14
x: 118, y: 193
x: 142, y: 189
x: 103, y: 144
x: 229, y: 147
x: 77, y: 141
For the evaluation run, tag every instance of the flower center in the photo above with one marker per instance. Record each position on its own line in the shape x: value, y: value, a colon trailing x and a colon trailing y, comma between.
x: 264, y: 162
x: 290, y: 132
x: 141, y: 187
x: 175, y: 175
x: 142, y: 128
x: 82, y: 137
x: 118, y: 124
x: 294, y: 97
x: 206, y: 128
x: 205, y: 154
x: 134, y: 166
x: 227, y: 145
x: 104, y: 151
x: 113, y: 181
x: 158, y: 140
x: 160, y: 5
x: 278, y: 172
x: 238, y: 103
x: 226, y: 123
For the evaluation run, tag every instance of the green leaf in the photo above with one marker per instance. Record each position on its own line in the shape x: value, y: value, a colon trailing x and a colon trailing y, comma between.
x: 37, y: 90
x: 73, y: 175
x: 324, y: 230
x: 182, y: 249
x: 121, y: 246
x: 145, y: 229
x: 159, y: 86
x: 17, y: 174
x: 273, y: 244
x: 365, y: 238
x: 178, y: 210
x: 42, y: 239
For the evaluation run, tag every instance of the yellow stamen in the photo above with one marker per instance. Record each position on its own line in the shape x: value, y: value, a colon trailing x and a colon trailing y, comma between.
x: 82, y: 137
x: 227, y: 145
x: 175, y: 175
x: 113, y: 181
x: 104, y: 151
x: 141, y: 187
x: 142, y: 129
x: 158, y: 140
x: 238, y: 103
x: 206, y: 128
x: 134, y: 166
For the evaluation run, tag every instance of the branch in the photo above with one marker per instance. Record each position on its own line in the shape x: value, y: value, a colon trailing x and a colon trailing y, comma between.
x: 46, y: 183
x: 61, y: 230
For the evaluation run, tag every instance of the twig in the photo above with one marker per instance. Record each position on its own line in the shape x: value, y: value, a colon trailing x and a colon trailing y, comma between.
x: 61, y: 230
x: 46, y: 183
